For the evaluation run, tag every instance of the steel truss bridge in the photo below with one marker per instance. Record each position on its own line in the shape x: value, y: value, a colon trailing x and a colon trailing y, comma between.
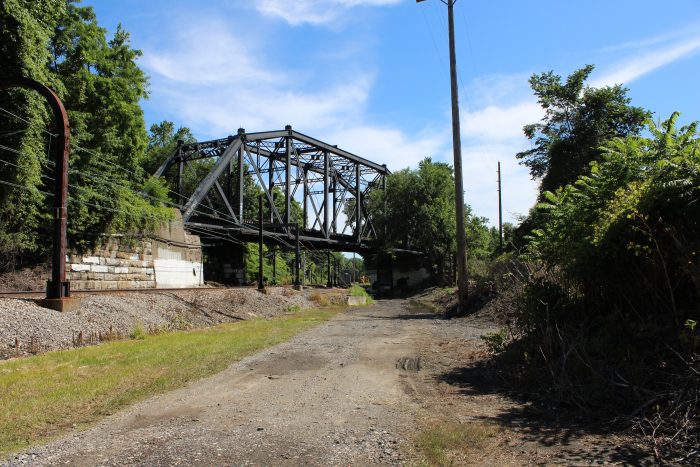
x: 330, y: 184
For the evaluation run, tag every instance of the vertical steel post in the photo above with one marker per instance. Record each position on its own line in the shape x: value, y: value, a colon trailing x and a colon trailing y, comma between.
x: 297, y: 261
x: 288, y: 177
x: 241, y: 180
x: 326, y: 211
x: 354, y: 268
x: 306, y: 200
x: 274, y: 264
x: 337, y: 271
x: 180, y: 169
x: 303, y: 268
x: 500, y: 211
x: 334, y: 189
x: 271, y: 185
x: 358, y: 203
x: 261, y: 281
x: 384, y: 191
x: 328, y: 260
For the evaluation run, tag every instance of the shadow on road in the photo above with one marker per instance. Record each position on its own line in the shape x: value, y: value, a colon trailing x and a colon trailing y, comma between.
x: 538, y: 423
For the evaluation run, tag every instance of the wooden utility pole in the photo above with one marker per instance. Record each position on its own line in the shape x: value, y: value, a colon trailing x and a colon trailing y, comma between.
x: 462, y: 278
x: 500, y: 210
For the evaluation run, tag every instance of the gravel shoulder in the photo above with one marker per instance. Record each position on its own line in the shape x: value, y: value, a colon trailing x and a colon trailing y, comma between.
x: 342, y: 393
x: 26, y: 328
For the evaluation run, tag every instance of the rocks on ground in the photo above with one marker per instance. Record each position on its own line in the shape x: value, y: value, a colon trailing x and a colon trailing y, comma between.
x: 26, y: 328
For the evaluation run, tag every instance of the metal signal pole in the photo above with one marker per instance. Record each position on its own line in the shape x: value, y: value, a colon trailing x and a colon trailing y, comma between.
x: 462, y: 278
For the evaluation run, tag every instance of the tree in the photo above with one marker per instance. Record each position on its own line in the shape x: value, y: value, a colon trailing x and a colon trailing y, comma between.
x: 420, y: 215
x: 61, y: 44
x: 26, y: 27
x: 578, y: 120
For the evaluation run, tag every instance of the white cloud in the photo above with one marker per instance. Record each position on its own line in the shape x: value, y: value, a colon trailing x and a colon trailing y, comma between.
x: 648, y: 61
x: 390, y: 146
x: 316, y: 12
x: 209, y: 82
x: 500, y: 123
x: 205, y: 52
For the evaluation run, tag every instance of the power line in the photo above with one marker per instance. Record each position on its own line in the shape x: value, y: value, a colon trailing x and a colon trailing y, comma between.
x: 7, y: 112
x: 26, y: 188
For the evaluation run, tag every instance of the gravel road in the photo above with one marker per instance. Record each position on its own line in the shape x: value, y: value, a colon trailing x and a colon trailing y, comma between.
x: 356, y: 390
x: 331, y: 396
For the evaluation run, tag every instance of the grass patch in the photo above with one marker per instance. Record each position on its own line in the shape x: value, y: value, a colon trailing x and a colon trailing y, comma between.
x: 356, y: 290
x: 438, y: 442
x: 44, y: 396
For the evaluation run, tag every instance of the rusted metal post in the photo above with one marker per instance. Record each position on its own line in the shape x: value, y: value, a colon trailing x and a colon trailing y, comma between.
x: 58, y: 287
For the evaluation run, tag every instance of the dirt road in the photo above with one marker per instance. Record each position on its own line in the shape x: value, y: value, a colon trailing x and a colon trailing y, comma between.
x: 331, y: 396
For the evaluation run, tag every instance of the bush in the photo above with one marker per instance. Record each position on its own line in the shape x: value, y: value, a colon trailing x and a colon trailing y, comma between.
x: 608, y: 315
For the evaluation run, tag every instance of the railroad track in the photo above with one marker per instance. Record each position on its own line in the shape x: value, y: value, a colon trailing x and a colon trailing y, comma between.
x: 78, y: 293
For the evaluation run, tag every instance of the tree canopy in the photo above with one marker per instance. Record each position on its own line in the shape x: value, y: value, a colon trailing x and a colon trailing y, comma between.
x: 420, y: 215
x: 61, y: 44
x: 578, y: 120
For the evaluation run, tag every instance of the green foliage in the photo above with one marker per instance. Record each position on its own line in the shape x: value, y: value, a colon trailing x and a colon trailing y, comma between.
x: 138, y: 332
x: 61, y: 44
x: 420, y: 215
x: 26, y: 27
x: 578, y: 120
x: 497, y: 340
x: 616, y: 294
x: 627, y: 233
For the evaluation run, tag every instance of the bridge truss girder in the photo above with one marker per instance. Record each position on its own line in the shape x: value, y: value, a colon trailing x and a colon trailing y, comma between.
x: 328, y: 182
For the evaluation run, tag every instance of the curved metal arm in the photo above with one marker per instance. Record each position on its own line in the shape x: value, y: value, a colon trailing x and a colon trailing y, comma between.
x: 58, y: 287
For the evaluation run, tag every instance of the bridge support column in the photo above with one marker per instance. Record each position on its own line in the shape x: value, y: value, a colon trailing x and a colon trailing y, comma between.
x: 326, y: 210
x: 288, y: 177
x: 297, y: 260
x: 358, y: 204
x: 241, y: 182
x: 330, y: 279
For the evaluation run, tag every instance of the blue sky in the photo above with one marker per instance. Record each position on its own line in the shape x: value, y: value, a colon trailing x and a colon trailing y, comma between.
x: 372, y: 75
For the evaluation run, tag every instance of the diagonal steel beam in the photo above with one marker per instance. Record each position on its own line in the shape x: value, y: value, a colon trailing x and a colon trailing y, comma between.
x: 262, y: 184
x: 206, y: 184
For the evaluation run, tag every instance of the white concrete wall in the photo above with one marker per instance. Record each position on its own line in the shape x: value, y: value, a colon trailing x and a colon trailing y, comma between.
x: 171, y: 270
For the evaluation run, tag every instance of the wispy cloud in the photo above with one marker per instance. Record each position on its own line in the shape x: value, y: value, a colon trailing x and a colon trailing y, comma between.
x: 316, y: 12
x: 206, y: 53
x: 648, y: 59
x: 214, y: 83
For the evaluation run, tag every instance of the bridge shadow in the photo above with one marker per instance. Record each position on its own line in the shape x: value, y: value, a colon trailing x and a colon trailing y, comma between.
x: 540, y: 422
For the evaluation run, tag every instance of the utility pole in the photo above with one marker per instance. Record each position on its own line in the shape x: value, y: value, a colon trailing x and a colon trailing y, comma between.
x: 462, y: 279
x: 500, y: 211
